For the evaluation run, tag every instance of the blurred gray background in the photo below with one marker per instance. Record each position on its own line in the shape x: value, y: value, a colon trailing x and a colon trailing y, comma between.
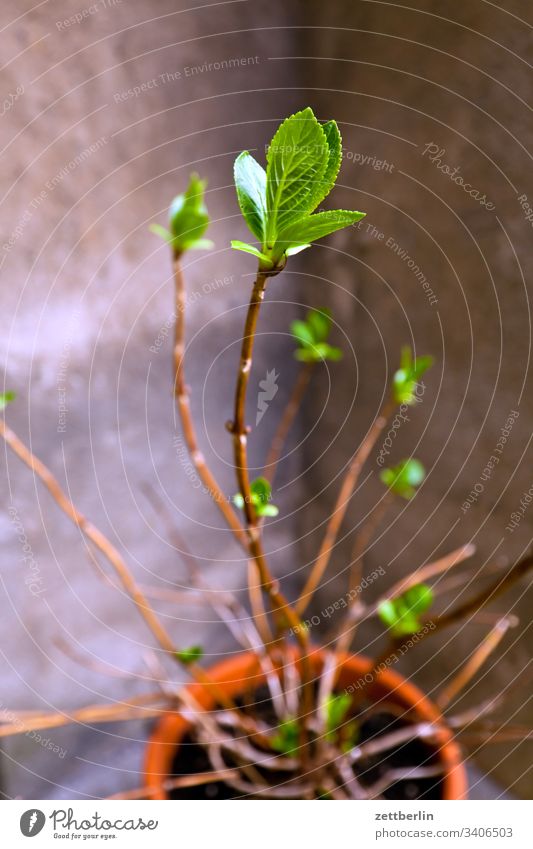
x: 106, y: 110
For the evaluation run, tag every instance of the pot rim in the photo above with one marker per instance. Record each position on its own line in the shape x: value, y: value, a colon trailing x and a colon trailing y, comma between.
x: 242, y: 670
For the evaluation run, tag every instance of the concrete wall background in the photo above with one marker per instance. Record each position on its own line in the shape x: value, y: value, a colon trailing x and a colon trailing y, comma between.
x: 87, y: 292
x: 399, y: 79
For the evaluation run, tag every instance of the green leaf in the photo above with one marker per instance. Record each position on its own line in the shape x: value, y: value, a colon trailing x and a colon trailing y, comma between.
x: 296, y: 163
x: 418, y: 598
x: 162, y: 232
x: 201, y: 245
x: 405, y: 380
x: 296, y: 249
x: 250, y: 249
x: 311, y: 336
x: 402, y: 615
x: 313, y: 227
x: 269, y: 510
x: 250, y: 182
x: 260, y: 497
x: 318, y: 353
x: 336, y: 709
x: 403, y: 478
x: 6, y: 398
x: 188, y: 217
x: 287, y: 737
x: 334, y: 141
x: 190, y: 655
x: 303, y: 333
x: 320, y: 323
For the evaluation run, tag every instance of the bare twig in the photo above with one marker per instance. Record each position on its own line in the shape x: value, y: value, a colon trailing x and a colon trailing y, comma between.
x: 473, y: 605
x: 383, y: 743
x: 92, y: 533
x: 182, y: 399
x: 136, y: 708
x: 430, y: 570
x: 476, y: 660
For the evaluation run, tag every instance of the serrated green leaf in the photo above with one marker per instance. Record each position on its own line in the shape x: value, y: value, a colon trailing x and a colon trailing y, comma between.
x: 296, y: 162
x: 313, y: 227
x: 188, y: 217
x: 6, y: 398
x: 192, y: 654
x: 334, y: 141
x: 250, y: 182
x: 250, y: 249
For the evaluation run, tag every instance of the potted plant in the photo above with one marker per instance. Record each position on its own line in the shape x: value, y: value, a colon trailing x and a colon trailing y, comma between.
x: 291, y: 717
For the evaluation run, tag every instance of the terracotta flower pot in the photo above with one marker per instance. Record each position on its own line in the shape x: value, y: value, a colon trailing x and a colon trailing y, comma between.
x: 241, y: 673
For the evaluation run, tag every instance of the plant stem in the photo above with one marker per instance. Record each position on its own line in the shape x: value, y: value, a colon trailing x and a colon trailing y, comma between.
x: 287, y: 419
x: 239, y: 428
x: 187, y: 423
x: 284, y: 614
x: 341, y: 505
x: 364, y: 538
x: 239, y: 431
